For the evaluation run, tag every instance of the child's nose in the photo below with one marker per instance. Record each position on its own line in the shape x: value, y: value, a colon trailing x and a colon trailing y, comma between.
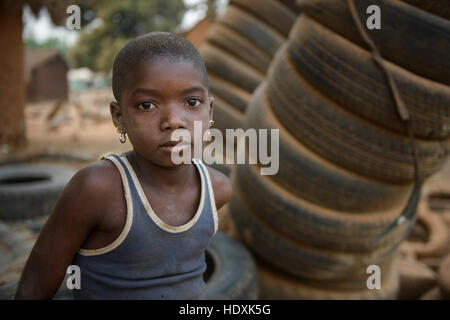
x: 172, y: 119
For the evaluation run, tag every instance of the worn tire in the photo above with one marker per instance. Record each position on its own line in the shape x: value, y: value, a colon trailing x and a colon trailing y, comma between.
x: 298, y: 258
x: 291, y: 4
x: 232, y: 94
x: 316, y: 179
x: 225, y: 116
x: 230, y: 41
x: 230, y: 68
x: 342, y: 137
x: 28, y: 190
x: 440, y: 8
x: 254, y: 29
x: 234, y: 273
x: 438, y: 234
x: 6, y: 248
x: 444, y: 277
x: 347, y: 74
x: 273, y: 12
x: 415, y: 278
x: 432, y: 294
x: 280, y: 286
x: 311, y: 224
x: 409, y: 37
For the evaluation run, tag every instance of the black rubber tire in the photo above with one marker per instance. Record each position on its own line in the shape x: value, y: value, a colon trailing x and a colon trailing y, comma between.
x: 438, y: 235
x: 234, y: 274
x: 440, y: 8
x: 225, y: 116
x: 6, y: 248
x: 291, y: 4
x: 230, y: 68
x: 255, y: 30
x: 351, y: 284
x: 311, y: 224
x: 229, y: 40
x: 346, y: 73
x: 273, y: 12
x: 276, y: 285
x: 444, y: 277
x: 297, y: 258
x: 317, y: 180
x: 432, y: 294
x: 235, y: 96
x: 342, y: 137
x: 409, y: 37
x: 29, y: 190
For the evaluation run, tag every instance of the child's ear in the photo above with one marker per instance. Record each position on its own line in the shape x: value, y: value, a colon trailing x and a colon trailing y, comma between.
x: 116, y: 114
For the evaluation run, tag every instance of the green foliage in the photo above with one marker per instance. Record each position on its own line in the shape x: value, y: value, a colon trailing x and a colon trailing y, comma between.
x: 50, y: 43
x: 121, y: 20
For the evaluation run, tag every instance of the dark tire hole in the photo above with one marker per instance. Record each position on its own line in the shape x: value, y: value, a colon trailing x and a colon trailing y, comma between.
x: 24, y: 179
x: 419, y: 233
x: 439, y: 201
x: 210, y: 266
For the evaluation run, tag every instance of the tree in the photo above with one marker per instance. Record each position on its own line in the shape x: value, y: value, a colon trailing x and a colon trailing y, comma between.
x: 12, y: 84
x: 121, y: 20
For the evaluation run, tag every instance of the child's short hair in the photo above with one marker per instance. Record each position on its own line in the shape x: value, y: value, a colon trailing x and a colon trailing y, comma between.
x: 149, y: 46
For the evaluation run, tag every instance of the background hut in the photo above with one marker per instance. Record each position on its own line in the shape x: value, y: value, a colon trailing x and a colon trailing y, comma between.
x: 45, y: 75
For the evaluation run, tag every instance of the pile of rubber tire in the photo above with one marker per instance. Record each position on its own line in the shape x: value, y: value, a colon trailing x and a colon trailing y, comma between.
x: 238, y: 49
x: 346, y: 164
x: 424, y: 258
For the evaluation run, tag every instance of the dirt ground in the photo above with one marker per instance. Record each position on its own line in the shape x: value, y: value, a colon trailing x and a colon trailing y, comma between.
x: 82, y: 128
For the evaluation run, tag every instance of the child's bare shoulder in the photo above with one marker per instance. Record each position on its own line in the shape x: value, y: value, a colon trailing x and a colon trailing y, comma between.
x: 221, y: 186
x: 99, y: 176
x: 95, y: 183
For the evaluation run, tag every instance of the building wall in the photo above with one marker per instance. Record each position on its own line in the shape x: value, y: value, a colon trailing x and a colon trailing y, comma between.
x: 48, y: 81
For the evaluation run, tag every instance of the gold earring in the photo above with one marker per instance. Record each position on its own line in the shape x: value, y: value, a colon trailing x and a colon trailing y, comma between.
x: 123, y: 136
x: 211, y: 123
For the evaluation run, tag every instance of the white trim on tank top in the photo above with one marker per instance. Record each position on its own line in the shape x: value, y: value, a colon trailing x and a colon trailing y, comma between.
x: 211, y: 196
x: 148, y: 208
x: 129, y: 220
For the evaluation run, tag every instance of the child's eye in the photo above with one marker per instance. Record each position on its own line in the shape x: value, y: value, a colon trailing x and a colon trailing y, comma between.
x: 147, y: 105
x: 193, y: 102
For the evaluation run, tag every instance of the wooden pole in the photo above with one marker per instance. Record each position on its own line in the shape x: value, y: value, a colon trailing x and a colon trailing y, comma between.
x: 12, y: 83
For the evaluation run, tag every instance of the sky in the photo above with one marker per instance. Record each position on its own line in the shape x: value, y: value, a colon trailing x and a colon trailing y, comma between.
x: 41, y: 28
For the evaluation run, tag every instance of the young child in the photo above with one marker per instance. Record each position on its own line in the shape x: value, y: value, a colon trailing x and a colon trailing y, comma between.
x: 136, y: 224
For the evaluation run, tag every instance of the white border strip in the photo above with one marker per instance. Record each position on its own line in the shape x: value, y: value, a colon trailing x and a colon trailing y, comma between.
x: 211, y: 198
x: 128, y: 223
x: 149, y: 209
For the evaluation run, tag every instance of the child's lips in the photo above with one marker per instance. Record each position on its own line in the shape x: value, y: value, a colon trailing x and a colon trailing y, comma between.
x: 174, y: 146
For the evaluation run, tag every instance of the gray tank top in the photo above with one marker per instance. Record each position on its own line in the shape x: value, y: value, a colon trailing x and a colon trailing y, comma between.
x: 150, y: 259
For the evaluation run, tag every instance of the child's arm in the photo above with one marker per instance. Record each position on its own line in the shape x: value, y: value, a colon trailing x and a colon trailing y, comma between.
x: 221, y: 187
x: 76, y: 213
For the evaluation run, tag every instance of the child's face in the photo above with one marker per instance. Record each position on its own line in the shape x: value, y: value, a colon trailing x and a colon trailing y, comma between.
x: 160, y: 96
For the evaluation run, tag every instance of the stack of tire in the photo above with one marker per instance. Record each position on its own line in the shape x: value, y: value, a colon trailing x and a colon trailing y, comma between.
x: 238, y: 51
x: 346, y: 164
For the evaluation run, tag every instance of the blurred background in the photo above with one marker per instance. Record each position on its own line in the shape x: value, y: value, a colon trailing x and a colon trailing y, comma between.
x: 67, y: 73
x: 347, y: 195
